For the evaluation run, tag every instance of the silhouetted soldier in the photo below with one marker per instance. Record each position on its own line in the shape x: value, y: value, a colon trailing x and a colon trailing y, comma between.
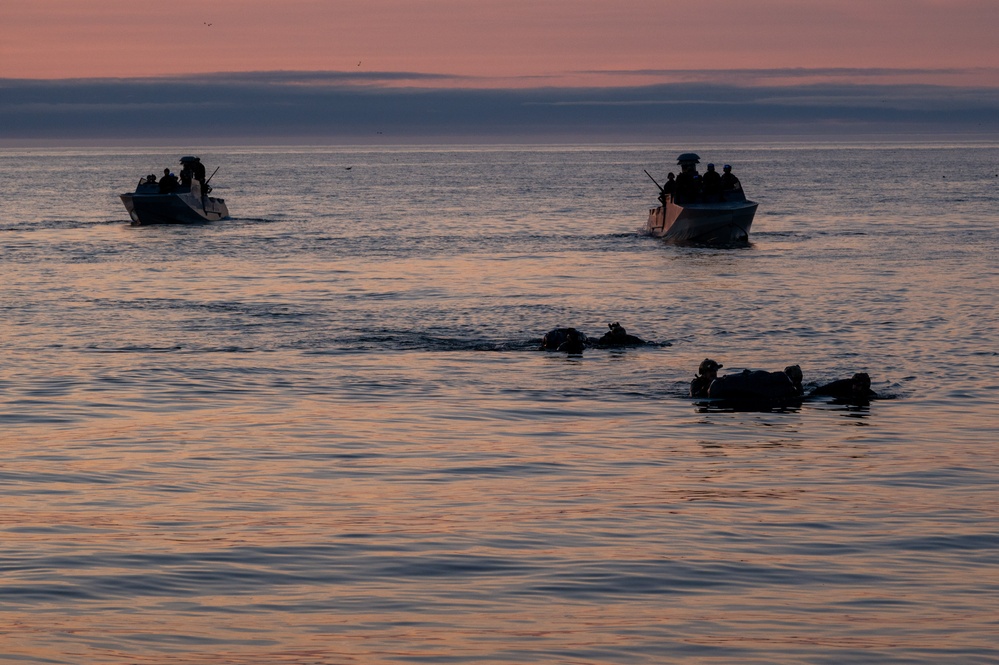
x: 688, y: 183
x: 711, y: 182
x: 857, y: 387
x: 618, y: 336
x: 186, y: 174
x: 574, y: 343
x: 730, y: 185
x: 199, y: 170
x: 168, y: 182
x: 707, y: 372
x: 758, y: 386
x: 669, y: 189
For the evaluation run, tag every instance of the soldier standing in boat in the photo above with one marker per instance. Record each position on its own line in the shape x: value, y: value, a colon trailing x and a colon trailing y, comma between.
x: 729, y: 183
x: 712, y: 185
x: 193, y: 170
x: 199, y: 171
x: 688, y: 183
x: 668, y: 191
x: 168, y: 182
x: 186, y: 174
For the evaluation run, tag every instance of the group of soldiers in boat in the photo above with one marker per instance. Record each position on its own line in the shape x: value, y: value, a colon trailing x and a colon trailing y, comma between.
x: 191, y: 169
x: 692, y: 187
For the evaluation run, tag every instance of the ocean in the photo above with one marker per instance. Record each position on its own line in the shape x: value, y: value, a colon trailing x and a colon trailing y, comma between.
x: 321, y: 432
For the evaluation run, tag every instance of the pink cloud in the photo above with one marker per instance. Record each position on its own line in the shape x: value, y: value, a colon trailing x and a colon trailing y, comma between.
x: 516, y: 38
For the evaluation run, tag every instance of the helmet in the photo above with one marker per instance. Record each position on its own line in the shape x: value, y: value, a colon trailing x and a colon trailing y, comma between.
x: 708, y: 365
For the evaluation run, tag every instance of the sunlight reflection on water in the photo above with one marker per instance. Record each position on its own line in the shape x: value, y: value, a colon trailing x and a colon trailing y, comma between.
x: 320, y: 432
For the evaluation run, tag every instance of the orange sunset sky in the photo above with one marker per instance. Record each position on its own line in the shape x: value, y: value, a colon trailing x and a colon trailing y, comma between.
x: 519, y: 42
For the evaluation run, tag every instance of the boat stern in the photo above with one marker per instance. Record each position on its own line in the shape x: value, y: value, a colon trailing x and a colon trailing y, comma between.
x: 130, y: 207
x: 656, y: 225
x: 713, y: 224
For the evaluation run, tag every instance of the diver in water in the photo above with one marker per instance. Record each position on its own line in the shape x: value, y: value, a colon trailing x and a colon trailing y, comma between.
x: 618, y: 336
x: 759, y: 386
x: 707, y: 372
x: 574, y: 343
x: 568, y: 340
x: 857, y: 387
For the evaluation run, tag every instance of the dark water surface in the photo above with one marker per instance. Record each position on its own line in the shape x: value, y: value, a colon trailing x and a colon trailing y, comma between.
x: 320, y: 433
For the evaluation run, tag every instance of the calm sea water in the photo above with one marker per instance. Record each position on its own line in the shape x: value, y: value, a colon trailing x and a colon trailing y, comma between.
x: 320, y: 432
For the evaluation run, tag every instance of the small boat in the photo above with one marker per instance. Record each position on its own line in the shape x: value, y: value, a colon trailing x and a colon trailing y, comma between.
x: 691, y: 215
x: 173, y: 202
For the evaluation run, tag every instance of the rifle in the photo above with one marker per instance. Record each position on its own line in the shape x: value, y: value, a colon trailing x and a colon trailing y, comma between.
x: 661, y: 190
x: 205, y: 189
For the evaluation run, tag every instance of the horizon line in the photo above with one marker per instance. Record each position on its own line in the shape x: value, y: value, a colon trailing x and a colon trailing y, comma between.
x: 750, y: 76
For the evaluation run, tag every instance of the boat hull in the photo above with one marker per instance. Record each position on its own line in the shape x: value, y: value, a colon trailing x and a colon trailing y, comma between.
x: 173, y: 208
x: 703, y: 223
